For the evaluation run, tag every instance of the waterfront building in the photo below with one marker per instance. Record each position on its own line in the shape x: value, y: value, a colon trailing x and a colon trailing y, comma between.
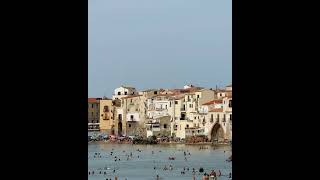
x: 124, y: 91
x: 106, y: 116
x: 191, y: 111
x: 159, y: 126
x: 217, y: 121
x: 130, y: 116
x: 93, y: 114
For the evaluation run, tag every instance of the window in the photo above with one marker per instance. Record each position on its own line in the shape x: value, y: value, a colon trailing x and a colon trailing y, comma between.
x: 92, y: 105
x: 119, y: 93
x: 106, y: 108
x: 125, y: 93
x: 129, y: 125
x: 230, y: 117
x: 132, y: 93
x: 198, y: 96
x: 165, y: 126
x: 170, y: 104
x: 187, y: 125
x: 131, y: 117
x: 190, y: 105
x: 166, y: 106
x: 175, y: 102
x: 230, y: 103
x: 155, y: 92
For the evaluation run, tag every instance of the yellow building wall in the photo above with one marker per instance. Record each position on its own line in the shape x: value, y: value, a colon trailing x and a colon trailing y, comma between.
x: 106, y: 118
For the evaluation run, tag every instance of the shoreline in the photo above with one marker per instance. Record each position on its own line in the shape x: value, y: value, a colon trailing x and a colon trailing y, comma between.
x: 162, y: 143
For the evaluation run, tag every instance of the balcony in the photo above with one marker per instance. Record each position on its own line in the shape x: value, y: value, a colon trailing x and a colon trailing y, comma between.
x: 93, y: 127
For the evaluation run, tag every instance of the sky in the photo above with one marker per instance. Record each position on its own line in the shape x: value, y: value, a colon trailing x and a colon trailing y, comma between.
x: 158, y: 44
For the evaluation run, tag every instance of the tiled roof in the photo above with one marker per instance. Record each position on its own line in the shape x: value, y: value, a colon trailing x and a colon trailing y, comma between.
x: 216, y: 101
x: 93, y: 100
x: 148, y: 90
x: 216, y: 110
x: 132, y: 96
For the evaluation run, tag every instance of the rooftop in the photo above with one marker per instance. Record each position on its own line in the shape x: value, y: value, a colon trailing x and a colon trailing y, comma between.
x: 131, y: 96
x: 93, y: 100
x: 215, y: 101
x: 148, y: 90
x: 128, y: 87
x: 216, y: 110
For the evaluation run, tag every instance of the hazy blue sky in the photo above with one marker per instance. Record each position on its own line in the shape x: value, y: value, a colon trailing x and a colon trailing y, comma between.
x: 159, y: 43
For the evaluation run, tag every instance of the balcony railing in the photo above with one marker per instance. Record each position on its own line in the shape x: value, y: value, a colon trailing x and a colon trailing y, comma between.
x: 92, y: 127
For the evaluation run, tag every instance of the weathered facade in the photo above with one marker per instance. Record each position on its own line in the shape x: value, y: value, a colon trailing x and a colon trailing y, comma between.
x: 94, y: 114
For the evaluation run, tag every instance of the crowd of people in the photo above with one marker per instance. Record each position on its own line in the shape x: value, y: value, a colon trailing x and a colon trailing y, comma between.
x: 118, y: 156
